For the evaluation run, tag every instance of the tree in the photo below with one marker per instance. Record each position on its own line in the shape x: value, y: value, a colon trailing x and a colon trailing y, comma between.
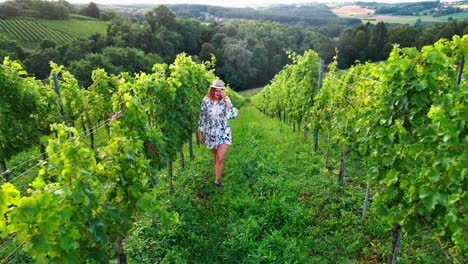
x: 92, y: 10
x: 130, y: 59
x: 38, y: 62
x: 113, y: 60
x: 404, y: 36
x: 10, y: 9
x: 50, y: 10
x: 378, y: 40
x: 452, y: 28
x: 326, y: 50
x: 232, y: 77
x: 260, y: 62
x: 118, y: 30
x: 217, y: 39
x: 70, y: 6
x: 83, y: 68
x: 11, y: 49
x: 360, y: 43
x: 191, y: 31
x: 427, y: 37
x: 170, y: 44
x: 150, y: 18
x: 164, y: 18
x: 47, y: 43
x: 108, y: 16
x: 240, y: 57
x: 346, y: 50
x: 207, y: 50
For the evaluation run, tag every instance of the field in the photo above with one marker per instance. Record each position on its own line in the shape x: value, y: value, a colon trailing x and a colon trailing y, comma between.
x: 352, y: 10
x: 75, y: 27
x: 366, y: 15
x: 30, y: 32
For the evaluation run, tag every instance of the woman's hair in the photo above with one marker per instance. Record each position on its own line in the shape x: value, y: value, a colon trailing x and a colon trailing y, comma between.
x: 211, y: 94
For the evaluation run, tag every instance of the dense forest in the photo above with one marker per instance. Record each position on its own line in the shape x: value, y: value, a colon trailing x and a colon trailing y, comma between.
x: 248, y: 52
x: 46, y: 9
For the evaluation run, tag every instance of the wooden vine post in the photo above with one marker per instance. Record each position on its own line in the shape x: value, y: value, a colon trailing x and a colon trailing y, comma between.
x: 57, y: 90
x: 460, y: 69
x: 396, y: 241
x: 319, y: 86
x: 366, y: 202
x: 5, y: 172
x: 182, y: 158
x: 190, y: 142
x: 342, y: 160
x: 328, y: 154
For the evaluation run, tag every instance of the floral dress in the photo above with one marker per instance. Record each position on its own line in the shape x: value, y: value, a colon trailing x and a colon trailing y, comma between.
x: 213, y: 122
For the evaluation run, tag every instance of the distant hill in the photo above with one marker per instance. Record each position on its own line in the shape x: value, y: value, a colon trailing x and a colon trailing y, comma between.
x: 372, y: 12
x: 312, y: 14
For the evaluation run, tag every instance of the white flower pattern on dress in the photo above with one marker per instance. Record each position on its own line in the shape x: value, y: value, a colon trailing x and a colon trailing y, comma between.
x: 213, y: 122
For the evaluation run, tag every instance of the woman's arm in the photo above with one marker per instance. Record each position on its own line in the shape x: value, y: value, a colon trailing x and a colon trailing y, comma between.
x: 231, y: 110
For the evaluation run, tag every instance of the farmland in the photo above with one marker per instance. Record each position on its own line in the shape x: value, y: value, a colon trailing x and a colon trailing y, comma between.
x: 367, y: 15
x: 30, y: 32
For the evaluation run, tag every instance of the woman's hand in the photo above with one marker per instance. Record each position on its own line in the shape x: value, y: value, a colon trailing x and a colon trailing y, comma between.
x: 223, y: 94
x: 225, y: 99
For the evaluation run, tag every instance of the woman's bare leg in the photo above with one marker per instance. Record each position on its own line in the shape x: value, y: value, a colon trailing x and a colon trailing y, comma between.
x: 214, y: 154
x: 219, y: 161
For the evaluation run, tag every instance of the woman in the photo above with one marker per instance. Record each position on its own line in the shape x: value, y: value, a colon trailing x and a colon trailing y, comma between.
x: 213, y: 128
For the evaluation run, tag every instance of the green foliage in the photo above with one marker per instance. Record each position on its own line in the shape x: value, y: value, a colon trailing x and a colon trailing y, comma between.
x: 293, y: 89
x: 92, y: 10
x: 10, y: 49
x: 36, y: 8
x: 24, y: 110
x: 418, y: 87
x: 84, y: 201
x: 253, y: 52
x: 407, y: 118
x: 398, y: 116
x: 114, y: 60
x: 72, y: 97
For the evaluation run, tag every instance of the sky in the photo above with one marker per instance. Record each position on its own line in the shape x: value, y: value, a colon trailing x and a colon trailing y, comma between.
x: 227, y: 3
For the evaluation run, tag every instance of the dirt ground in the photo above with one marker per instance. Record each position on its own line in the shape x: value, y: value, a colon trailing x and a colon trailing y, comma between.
x: 351, y: 10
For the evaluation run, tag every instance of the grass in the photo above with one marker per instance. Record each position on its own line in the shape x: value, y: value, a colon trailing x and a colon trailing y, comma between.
x: 251, y: 92
x: 76, y: 27
x: 429, y: 19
